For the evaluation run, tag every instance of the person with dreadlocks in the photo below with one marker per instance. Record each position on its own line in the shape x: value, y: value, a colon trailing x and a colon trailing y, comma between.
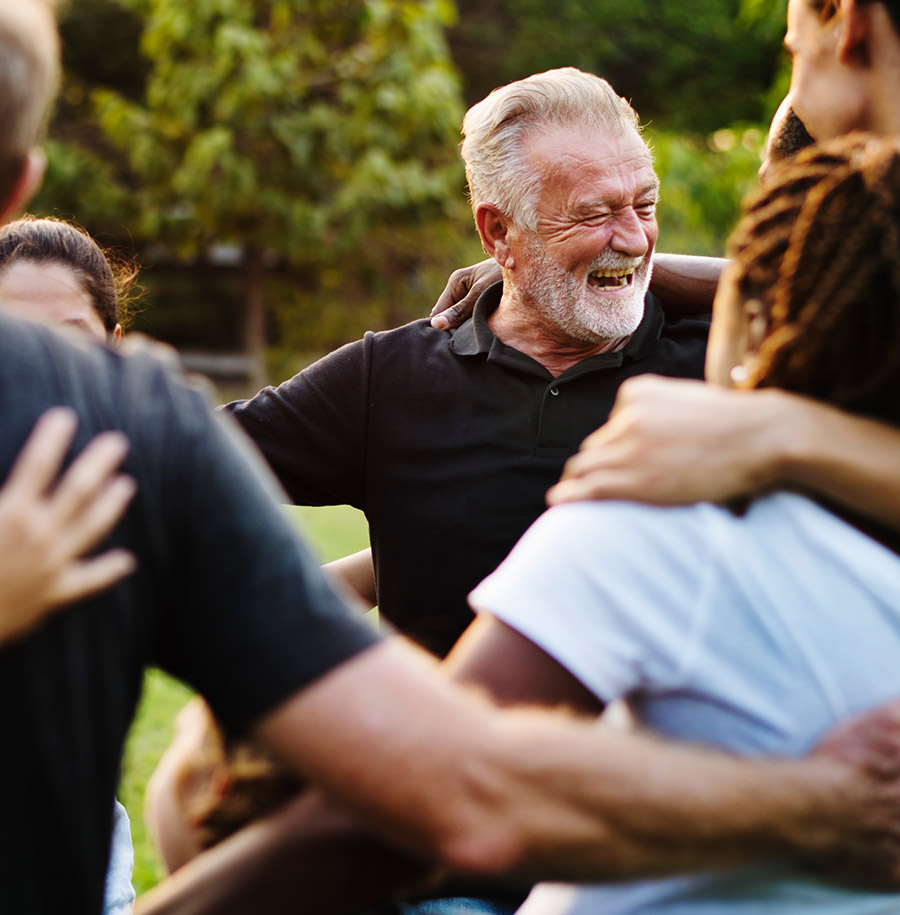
x: 751, y: 627
x: 678, y: 441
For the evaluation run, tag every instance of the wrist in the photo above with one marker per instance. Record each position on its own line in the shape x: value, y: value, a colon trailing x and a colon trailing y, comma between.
x: 780, y: 440
x: 826, y: 799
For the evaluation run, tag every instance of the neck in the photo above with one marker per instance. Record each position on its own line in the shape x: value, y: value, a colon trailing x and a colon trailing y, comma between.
x: 516, y: 324
x: 884, y: 70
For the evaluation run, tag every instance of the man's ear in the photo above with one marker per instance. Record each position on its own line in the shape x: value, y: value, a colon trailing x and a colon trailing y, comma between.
x: 26, y: 186
x: 494, y: 227
x: 855, y: 32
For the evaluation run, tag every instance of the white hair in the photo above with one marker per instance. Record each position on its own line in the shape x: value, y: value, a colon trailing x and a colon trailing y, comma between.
x: 496, y: 130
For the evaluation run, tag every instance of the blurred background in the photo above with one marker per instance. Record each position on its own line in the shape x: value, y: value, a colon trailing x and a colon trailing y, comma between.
x: 287, y: 173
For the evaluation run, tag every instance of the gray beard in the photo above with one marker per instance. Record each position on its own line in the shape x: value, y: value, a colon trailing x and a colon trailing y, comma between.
x: 577, y: 309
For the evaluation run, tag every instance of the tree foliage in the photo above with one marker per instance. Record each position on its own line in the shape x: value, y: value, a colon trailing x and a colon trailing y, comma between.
x: 293, y: 133
x: 287, y: 126
x: 692, y: 65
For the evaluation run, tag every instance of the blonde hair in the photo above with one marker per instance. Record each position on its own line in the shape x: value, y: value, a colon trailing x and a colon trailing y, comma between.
x: 496, y: 131
x: 29, y: 74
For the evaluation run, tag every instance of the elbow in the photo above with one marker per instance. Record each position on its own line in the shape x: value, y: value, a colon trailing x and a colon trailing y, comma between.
x: 483, y: 850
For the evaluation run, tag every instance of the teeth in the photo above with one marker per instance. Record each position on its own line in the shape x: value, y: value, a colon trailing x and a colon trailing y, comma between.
x: 612, y: 279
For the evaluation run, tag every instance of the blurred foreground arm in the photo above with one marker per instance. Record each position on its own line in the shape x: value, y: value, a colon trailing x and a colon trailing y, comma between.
x: 678, y: 441
x: 531, y: 794
x: 48, y: 523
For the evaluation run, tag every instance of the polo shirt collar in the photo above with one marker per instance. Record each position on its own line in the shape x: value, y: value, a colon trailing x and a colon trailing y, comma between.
x: 475, y: 337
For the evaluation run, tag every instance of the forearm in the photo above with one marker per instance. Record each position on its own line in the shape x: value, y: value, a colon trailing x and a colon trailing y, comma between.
x: 308, y: 858
x: 536, y: 795
x: 849, y: 459
x: 639, y: 807
x: 358, y: 573
x: 686, y: 283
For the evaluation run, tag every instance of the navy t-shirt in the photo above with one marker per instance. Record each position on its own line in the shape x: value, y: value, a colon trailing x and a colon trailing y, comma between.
x: 226, y: 598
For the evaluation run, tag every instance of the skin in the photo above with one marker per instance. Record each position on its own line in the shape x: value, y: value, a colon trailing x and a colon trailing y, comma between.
x: 48, y: 524
x: 51, y: 293
x: 677, y: 441
x: 827, y: 88
x: 597, y: 203
x: 528, y: 794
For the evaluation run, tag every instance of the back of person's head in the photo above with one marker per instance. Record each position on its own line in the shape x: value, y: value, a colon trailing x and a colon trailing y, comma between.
x: 29, y: 70
x: 497, y: 128
x: 107, y: 279
x: 818, y: 251
x: 827, y: 8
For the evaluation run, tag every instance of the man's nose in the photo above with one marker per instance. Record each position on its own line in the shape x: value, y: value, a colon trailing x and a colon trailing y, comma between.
x: 630, y: 236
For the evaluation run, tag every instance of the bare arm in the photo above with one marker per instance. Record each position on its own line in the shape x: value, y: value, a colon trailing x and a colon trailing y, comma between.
x: 538, y: 795
x: 686, y: 283
x: 357, y: 572
x: 310, y: 858
x: 532, y: 794
x: 48, y: 524
x: 677, y: 441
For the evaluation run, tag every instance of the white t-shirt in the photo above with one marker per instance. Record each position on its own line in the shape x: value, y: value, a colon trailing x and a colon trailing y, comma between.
x: 753, y: 633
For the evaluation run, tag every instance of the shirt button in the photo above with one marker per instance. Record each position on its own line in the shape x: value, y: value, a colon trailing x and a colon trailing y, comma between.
x: 554, y: 392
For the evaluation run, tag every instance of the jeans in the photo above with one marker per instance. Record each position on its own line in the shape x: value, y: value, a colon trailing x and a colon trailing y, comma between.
x: 458, y: 905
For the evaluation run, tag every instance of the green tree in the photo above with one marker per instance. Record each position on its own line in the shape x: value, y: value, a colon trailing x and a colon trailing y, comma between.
x: 293, y: 133
x: 689, y: 65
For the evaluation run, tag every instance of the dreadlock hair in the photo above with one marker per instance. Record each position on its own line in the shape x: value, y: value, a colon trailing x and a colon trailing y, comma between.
x: 819, y: 249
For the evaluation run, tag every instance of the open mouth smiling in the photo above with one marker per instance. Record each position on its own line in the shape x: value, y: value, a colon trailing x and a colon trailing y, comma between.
x: 611, y: 279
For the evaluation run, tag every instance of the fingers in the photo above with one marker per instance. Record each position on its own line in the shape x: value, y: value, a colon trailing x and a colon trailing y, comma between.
x: 43, y: 453
x: 98, y: 516
x: 457, y: 286
x: 87, y: 477
x: 457, y: 314
x: 91, y: 576
x: 457, y: 302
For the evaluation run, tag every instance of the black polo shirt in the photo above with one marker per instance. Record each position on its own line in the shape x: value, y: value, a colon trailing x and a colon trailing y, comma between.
x: 448, y: 443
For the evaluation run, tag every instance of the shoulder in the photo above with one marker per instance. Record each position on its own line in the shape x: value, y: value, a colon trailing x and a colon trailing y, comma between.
x: 42, y: 367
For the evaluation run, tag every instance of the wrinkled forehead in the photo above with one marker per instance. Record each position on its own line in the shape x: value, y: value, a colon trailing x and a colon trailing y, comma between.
x: 570, y: 151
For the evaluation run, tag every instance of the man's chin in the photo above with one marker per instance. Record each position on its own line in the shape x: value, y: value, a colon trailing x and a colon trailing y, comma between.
x: 618, y: 316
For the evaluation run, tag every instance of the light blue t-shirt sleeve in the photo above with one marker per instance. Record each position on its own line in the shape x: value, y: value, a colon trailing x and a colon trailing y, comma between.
x: 617, y: 592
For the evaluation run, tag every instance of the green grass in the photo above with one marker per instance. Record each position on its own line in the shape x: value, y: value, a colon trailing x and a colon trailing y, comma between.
x: 333, y: 532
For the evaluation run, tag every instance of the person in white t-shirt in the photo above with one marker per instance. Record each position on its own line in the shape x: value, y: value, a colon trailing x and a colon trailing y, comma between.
x: 752, y: 628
